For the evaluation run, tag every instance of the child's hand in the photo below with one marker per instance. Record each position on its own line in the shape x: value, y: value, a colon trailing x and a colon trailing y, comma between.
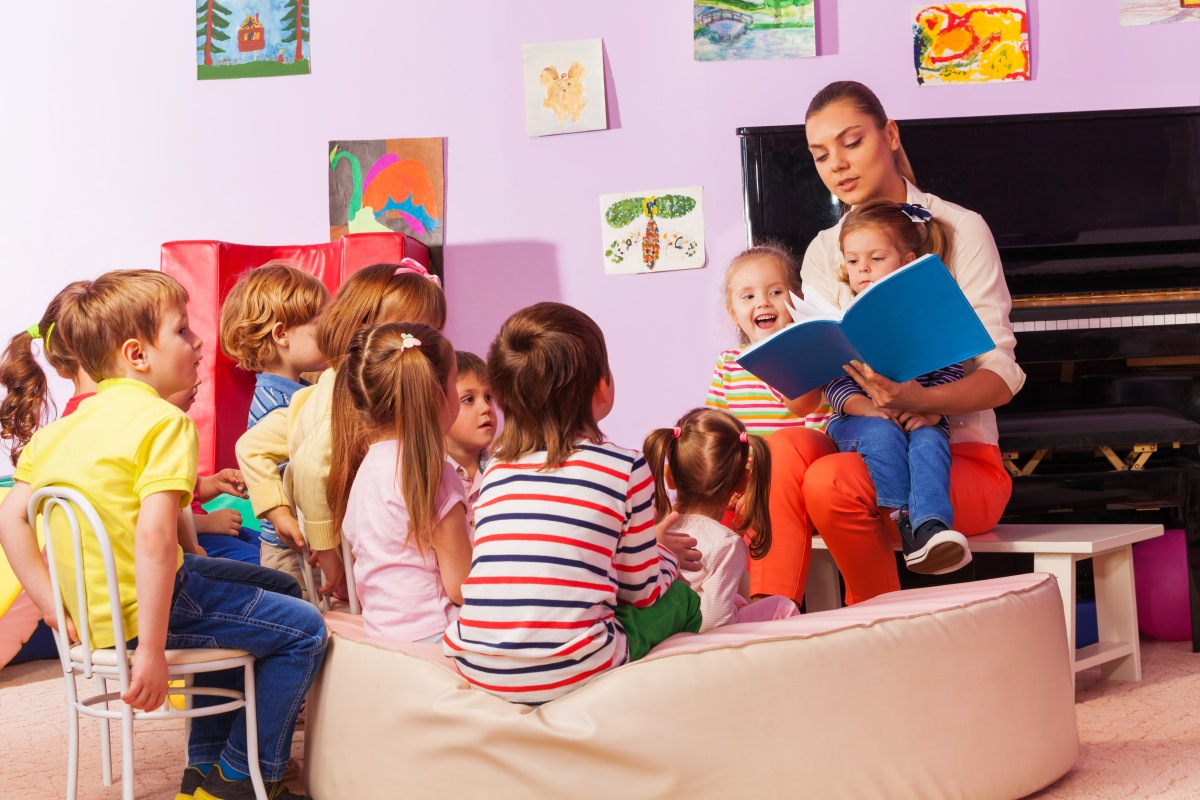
x: 52, y: 622
x: 226, y: 520
x: 227, y: 481
x: 682, y: 546
x: 287, y: 527
x: 332, y: 569
x: 912, y: 421
x: 148, y: 681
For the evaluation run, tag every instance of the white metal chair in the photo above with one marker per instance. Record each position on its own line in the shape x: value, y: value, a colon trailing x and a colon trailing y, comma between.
x: 322, y: 603
x: 114, y: 664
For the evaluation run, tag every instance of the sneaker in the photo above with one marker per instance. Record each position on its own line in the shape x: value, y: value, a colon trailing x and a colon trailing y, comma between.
x: 192, y: 780
x: 932, y: 549
x: 216, y: 787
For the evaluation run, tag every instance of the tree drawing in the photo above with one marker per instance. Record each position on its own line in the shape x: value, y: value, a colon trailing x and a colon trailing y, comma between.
x: 212, y: 17
x: 295, y: 26
x: 778, y: 6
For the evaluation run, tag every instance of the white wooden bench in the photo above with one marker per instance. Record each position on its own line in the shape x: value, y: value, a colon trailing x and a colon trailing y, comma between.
x: 1055, y: 550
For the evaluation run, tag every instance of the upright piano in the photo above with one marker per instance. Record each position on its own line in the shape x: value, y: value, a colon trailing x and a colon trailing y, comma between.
x: 1097, y: 219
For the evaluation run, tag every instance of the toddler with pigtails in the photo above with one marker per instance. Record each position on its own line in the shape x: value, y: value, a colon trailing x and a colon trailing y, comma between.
x: 708, y: 458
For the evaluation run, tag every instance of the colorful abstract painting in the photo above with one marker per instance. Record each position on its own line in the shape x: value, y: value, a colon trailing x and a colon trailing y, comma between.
x: 251, y: 38
x: 652, y: 231
x: 1159, y: 12
x: 753, y: 30
x: 388, y: 185
x: 956, y: 43
x: 564, y: 87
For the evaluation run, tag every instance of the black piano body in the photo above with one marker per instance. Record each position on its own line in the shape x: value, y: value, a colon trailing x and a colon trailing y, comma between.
x: 1097, y: 219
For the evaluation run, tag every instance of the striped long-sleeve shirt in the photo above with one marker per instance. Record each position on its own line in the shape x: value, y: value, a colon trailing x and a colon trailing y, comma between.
x: 760, y: 408
x: 270, y: 392
x: 555, y: 552
x: 838, y: 391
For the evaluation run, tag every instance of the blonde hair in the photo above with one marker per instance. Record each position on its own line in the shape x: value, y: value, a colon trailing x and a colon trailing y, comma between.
x: 375, y: 295
x: 867, y: 102
x: 273, y: 293
x: 907, y: 235
x: 708, y: 461
x: 769, y: 250
x: 544, y: 367
x: 27, y: 403
x: 99, y: 316
x: 390, y: 388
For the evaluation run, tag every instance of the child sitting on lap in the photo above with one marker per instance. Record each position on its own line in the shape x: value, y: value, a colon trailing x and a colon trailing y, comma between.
x: 907, y: 454
x: 134, y: 456
x: 394, y: 497
x: 471, y: 434
x: 708, y: 458
x: 567, y: 579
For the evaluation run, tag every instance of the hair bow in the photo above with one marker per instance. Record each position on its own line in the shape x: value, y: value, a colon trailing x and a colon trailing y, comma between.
x: 916, y: 212
x: 407, y: 340
x: 412, y: 266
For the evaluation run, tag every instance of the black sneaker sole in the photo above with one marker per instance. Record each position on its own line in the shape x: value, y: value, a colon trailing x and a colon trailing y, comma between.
x: 940, y: 555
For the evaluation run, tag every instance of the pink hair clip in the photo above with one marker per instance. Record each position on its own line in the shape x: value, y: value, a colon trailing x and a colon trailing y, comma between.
x: 407, y: 340
x: 410, y: 266
x: 677, y: 430
x: 742, y: 437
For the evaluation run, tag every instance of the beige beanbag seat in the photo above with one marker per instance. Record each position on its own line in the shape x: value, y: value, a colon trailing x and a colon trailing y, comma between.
x: 960, y: 691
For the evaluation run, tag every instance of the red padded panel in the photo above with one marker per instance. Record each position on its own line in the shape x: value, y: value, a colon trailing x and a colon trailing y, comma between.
x: 208, y: 270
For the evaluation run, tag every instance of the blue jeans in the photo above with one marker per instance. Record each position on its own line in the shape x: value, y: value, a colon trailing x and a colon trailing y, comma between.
x: 908, y: 469
x: 287, y: 637
x: 234, y: 571
x: 243, y: 547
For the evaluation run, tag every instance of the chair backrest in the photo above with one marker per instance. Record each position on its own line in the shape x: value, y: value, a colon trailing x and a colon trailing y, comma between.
x: 72, y: 503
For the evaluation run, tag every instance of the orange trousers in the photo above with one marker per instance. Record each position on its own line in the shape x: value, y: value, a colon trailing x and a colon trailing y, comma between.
x: 814, y: 488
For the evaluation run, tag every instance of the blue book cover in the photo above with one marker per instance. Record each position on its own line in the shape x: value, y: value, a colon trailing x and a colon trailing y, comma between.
x: 909, y: 323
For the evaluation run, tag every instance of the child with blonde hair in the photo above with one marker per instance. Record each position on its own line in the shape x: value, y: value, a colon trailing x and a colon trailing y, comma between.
x: 708, y: 458
x: 907, y: 454
x: 133, y: 455
x: 395, y: 498
x: 268, y: 326
x: 299, y: 434
x: 567, y: 580
x: 474, y: 428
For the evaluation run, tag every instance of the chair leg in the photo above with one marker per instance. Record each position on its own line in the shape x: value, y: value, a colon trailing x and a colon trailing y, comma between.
x: 72, y: 738
x: 188, y: 680
x: 126, y: 752
x: 105, y: 737
x: 260, y: 789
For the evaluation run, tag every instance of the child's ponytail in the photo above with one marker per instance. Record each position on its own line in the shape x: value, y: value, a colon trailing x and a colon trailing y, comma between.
x: 392, y: 384
x: 655, y: 451
x: 938, y: 238
x: 27, y: 403
x: 756, y: 500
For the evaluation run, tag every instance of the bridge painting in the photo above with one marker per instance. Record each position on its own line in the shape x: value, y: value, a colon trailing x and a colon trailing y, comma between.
x: 753, y: 29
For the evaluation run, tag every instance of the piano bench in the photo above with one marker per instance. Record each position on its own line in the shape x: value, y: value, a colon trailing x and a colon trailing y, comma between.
x: 1055, y: 550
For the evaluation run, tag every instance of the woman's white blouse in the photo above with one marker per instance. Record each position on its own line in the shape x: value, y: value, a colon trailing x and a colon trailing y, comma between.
x: 975, y: 264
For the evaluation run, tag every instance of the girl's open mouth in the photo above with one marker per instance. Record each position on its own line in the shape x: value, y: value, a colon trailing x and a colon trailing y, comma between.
x: 765, y: 321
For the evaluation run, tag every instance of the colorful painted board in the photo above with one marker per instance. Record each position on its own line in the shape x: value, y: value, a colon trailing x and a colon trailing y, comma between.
x: 1159, y: 12
x: 251, y: 38
x: 564, y: 87
x: 955, y: 43
x: 388, y: 185
x: 652, y: 231
x: 753, y: 30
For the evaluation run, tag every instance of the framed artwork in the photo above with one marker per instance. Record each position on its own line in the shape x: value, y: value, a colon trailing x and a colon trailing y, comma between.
x: 251, y: 38
x: 753, y: 30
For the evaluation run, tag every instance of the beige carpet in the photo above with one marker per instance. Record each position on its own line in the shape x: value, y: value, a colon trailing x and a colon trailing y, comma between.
x: 1138, y: 740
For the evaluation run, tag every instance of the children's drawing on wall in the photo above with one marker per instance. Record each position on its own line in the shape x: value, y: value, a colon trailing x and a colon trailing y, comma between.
x: 388, y: 185
x: 251, y: 38
x: 564, y: 87
x: 749, y: 30
x: 1159, y: 12
x: 652, y: 231
x: 971, y: 42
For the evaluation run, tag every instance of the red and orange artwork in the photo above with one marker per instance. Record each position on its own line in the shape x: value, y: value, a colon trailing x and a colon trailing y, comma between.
x: 971, y: 42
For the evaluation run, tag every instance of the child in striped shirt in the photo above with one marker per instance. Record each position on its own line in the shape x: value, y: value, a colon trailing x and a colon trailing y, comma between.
x: 707, y: 458
x: 756, y: 293
x: 568, y: 579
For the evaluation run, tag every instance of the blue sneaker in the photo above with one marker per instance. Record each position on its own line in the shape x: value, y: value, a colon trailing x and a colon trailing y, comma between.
x: 932, y: 549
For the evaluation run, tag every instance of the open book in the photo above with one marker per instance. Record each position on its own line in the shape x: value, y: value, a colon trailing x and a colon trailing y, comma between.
x: 911, y: 322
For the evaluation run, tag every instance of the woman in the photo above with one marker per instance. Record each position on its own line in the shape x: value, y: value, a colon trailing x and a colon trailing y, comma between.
x: 859, y: 157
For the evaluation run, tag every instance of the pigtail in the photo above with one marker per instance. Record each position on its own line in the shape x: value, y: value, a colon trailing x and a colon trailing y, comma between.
x: 938, y: 238
x: 757, y: 497
x: 420, y: 402
x: 349, y: 435
x: 26, y: 405
x: 655, y: 451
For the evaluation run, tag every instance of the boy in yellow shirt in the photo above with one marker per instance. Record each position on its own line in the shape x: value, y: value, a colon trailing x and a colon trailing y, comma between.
x: 133, y: 455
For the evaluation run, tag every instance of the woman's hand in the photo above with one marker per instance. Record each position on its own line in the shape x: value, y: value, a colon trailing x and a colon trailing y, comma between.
x: 884, y: 392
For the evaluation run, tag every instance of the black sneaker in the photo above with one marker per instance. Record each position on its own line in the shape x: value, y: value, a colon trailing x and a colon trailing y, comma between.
x: 932, y: 549
x: 216, y: 787
x: 192, y: 780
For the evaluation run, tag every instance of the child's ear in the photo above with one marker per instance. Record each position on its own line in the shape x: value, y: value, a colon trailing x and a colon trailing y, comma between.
x: 135, y: 355
x: 911, y: 257
x: 279, y: 335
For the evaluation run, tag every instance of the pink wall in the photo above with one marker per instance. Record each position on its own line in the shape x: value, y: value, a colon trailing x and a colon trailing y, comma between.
x: 112, y: 146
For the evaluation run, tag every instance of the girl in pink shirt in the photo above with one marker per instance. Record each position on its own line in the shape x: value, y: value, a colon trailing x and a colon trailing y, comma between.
x: 395, y: 498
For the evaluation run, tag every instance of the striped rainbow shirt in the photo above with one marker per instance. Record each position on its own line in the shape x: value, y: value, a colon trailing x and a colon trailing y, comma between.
x: 758, y: 406
x: 555, y: 551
